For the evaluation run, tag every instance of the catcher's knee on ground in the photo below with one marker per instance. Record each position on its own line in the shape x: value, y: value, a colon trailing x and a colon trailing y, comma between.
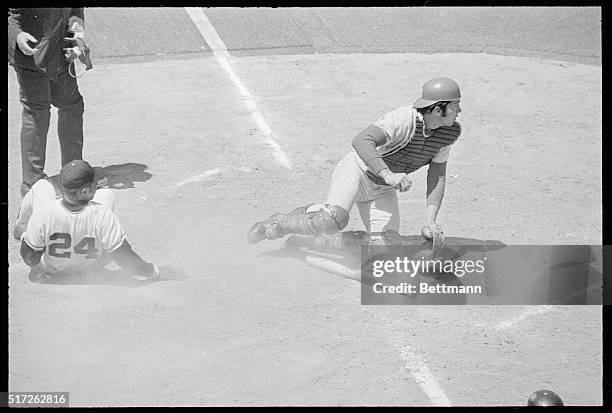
x: 311, y: 220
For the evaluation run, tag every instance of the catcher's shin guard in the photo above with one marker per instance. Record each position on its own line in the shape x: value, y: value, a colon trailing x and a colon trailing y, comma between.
x: 327, y: 220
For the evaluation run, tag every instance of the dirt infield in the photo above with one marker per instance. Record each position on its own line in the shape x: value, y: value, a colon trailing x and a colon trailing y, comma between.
x: 253, y: 324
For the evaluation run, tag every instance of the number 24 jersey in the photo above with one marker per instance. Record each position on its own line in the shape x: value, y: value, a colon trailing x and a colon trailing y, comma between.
x: 73, y: 241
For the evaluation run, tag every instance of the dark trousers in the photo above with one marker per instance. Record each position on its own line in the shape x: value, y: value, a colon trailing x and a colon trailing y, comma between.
x: 37, y: 92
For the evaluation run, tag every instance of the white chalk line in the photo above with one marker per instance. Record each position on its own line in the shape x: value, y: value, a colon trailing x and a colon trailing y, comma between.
x: 531, y: 311
x: 222, y: 56
x: 209, y: 173
x: 421, y: 373
x: 417, y: 366
x: 199, y: 177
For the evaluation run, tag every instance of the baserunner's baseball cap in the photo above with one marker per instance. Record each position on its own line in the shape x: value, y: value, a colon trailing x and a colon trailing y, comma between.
x: 76, y: 174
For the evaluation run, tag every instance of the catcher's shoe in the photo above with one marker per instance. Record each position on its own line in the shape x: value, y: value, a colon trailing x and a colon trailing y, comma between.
x: 268, y: 229
x: 262, y: 230
x: 278, y: 225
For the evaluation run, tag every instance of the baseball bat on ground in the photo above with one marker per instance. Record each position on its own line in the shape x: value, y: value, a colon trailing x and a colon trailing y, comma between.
x: 333, y: 267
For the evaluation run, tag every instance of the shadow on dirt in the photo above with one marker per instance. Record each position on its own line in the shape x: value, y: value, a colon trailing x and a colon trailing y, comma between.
x: 347, y: 247
x: 505, y: 274
x: 121, y: 176
x: 341, y: 255
x: 119, y: 278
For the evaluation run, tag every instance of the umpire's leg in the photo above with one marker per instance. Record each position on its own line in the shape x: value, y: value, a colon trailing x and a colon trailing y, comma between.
x: 66, y: 97
x: 35, y: 98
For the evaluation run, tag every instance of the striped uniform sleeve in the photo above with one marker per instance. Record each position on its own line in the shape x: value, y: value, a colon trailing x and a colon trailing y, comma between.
x: 111, y: 233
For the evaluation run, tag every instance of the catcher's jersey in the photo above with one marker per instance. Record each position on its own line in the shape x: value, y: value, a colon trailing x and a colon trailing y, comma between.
x: 73, y: 241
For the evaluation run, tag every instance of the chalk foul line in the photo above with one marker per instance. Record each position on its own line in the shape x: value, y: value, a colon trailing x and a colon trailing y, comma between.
x: 421, y: 373
x: 222, y: 56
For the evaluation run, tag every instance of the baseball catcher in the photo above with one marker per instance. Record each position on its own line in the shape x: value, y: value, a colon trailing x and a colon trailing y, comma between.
x: 383, y: 156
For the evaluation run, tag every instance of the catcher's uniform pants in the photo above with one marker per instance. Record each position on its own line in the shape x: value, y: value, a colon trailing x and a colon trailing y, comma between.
x: 377, y: 204
x: 37, y: 92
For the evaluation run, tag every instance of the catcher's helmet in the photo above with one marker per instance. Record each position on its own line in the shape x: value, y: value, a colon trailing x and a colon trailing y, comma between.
x: 544, y: 398
x: 438, y: 90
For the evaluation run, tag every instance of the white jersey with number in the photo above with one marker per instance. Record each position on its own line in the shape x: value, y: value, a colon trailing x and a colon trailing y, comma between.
x: 73, y: 241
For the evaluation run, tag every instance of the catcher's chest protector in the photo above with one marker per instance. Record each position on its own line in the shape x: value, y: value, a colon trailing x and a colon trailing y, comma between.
x: 419, y: 151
